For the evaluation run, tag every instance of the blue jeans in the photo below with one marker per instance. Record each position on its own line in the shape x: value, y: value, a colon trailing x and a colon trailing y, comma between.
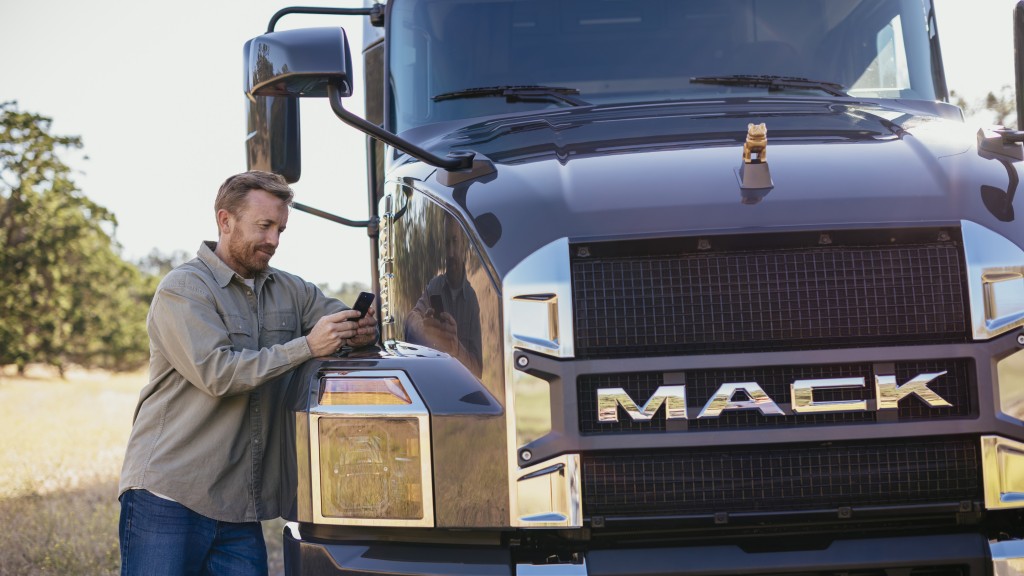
x: 161, y: 537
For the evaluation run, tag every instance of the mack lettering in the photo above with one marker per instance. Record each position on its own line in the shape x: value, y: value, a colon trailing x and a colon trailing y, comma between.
x: 750, y: 396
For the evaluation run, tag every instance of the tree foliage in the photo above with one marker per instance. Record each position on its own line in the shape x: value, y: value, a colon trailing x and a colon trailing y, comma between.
x: 347, y: 292
x: 1000, y: 106
x: 66, y: 296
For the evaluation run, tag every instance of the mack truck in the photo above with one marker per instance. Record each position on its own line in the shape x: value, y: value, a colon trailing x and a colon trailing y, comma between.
x: 664, y: 287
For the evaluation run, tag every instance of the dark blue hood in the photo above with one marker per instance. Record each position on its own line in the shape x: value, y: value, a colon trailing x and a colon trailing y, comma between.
x: 671, y: 170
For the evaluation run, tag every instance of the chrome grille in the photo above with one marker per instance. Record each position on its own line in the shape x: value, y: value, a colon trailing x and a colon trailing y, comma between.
x: 780, y: 478
x: 766, y: 293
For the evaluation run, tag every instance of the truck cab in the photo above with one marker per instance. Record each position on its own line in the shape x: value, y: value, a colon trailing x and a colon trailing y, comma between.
x: 665, y: 287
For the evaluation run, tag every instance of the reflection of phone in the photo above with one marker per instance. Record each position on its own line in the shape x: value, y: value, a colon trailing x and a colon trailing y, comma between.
x: 437, y: 304
x: 363, y: 303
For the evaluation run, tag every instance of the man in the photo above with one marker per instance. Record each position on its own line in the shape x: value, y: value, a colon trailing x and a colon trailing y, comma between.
x: 447, y: 316
x: 226, y: 330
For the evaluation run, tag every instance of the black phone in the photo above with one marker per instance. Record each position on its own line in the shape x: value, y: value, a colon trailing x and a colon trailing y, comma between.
x: 437, y: 304
x: 363, y: 303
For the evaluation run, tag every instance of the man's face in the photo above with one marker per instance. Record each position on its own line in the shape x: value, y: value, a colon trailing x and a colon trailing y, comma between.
x: 250, y: 237
x: 455, y: 253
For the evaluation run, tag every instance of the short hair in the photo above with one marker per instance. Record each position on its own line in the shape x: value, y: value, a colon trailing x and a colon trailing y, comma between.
x: 233, y: 191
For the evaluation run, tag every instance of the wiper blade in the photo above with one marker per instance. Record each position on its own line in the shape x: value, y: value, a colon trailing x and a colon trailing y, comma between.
x: 518, y: 94
x: 773, y: 83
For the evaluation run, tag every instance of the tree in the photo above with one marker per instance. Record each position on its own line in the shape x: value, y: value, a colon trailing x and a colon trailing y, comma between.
x: 1000, y: 107
x: 158, y: 264
x: 347, y: 292
x: 66, y: 296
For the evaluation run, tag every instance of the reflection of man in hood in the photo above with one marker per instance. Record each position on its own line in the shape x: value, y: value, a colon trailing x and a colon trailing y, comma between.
x: 455, y: 246
x: 447, y: 315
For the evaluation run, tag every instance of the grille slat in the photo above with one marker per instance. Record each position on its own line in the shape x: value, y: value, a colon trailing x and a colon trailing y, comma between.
x: 781, y: 478
x: 635, y: 303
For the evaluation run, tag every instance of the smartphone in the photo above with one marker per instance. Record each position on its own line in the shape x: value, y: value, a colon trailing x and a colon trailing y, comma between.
x: 363, y: 303
x: 437, y: 304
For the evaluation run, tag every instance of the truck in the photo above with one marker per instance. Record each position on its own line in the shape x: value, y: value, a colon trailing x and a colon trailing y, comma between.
x: 665, y: 287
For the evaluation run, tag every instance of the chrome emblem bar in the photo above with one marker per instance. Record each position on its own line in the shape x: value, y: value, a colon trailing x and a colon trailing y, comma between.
x: 888, y: 394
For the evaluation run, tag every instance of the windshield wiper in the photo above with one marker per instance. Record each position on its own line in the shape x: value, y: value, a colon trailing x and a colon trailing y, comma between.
x: 518, y: 94
x: 773, y: 83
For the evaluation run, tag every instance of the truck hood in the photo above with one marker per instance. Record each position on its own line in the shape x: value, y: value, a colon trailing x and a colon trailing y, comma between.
x: 662, y: 170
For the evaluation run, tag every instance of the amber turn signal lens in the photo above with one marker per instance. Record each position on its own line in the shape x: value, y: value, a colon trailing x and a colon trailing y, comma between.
x: 363, y: 392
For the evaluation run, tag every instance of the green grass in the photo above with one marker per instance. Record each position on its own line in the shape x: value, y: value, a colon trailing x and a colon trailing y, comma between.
x: 61, y: 447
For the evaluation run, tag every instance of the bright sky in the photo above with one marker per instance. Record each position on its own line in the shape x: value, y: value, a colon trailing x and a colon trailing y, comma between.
x: 154, y: 89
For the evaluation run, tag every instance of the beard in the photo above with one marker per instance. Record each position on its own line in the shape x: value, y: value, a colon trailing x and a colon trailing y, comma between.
x: 252, y: 258
x: 454, y: 271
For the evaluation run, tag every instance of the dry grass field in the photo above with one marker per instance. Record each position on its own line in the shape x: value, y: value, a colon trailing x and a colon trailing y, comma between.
x: 61, y: 446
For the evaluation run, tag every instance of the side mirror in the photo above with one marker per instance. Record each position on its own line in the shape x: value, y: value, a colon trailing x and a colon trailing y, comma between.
x: 280, y: 67
x: 316, y: 62
x: 272, y: 142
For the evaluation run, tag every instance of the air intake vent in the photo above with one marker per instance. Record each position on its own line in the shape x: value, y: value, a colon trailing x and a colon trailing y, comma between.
x: 781, y: 478
x: 767, y: 293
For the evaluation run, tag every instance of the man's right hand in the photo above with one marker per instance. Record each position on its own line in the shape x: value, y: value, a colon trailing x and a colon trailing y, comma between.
x: 330, y: 331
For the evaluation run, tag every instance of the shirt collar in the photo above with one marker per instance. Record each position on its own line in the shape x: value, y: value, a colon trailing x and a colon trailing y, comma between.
x: 454, y: 291
x: 221, y: 271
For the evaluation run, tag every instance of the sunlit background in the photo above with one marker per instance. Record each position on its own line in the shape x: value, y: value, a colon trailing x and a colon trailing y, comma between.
x: 154, y: 89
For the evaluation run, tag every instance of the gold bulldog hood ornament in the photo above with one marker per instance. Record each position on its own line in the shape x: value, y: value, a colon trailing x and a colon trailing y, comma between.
x: 754, y: 176
x: 756, y: 146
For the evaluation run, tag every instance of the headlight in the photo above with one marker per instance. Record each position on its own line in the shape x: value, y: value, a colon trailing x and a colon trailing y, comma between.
x: 370, y: 449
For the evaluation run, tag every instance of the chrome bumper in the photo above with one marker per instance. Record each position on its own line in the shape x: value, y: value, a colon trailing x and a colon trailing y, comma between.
x: 1007, y: 558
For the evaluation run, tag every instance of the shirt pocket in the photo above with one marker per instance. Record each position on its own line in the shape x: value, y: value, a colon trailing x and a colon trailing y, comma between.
x: 280, y: 327
x: 239, y: 332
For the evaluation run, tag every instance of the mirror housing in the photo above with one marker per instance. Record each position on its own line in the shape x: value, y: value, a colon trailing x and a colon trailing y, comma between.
x: 280, y: 67
x: 298, y: 63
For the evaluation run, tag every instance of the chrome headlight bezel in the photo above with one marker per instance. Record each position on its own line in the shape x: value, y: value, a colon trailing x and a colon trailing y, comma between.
x: 414, y: 410
x: 995, y: 269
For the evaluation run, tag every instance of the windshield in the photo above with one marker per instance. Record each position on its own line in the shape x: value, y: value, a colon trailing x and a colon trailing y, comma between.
x: 474, y: 52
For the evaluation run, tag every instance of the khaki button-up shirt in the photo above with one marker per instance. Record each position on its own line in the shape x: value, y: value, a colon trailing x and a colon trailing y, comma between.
x: 207, y: 429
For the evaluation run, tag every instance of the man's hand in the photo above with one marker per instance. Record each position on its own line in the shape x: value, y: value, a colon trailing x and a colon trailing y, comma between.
x: 332, y: 331
x: 366, y: 333
x: 441, y: 332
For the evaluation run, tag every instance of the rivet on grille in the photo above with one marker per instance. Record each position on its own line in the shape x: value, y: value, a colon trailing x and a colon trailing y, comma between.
x: 1020, y: 339
x: 943, y: 236
x: 703, y: 244
x: 825, y: 239
x: 523, y: 361
x: 526, y: 455
x: 583, y: 252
